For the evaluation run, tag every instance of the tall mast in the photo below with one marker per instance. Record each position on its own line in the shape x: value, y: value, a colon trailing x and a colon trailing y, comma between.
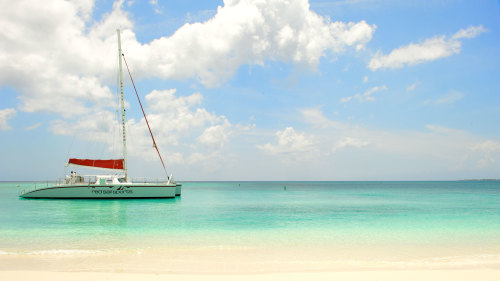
x: 122, y: 106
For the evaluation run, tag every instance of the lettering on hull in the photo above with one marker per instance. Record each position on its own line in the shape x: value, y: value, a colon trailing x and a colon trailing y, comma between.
x: 120, y: 190
x: 112, y: 191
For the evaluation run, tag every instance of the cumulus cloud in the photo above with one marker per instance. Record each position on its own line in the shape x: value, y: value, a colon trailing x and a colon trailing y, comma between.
x: 290, y: 142
x: 5, y: 115
x: 216, y: 136
x: 176, y: 122
x: 251, y: 32
x: 428, y: 50
x: 185, y: 132
x: 50, y: 59
x: 61, y: 60
x: 366, y: 96
x: 176, y: 116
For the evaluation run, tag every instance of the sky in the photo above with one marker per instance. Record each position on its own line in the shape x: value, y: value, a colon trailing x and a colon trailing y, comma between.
x: 254, y: 89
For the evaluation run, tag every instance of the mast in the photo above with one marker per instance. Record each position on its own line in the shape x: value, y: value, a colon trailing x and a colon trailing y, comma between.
x: 122, y: 106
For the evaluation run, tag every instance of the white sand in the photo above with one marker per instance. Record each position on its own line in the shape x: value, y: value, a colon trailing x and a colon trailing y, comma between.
x: 385, y: 275
x: 290, y: 264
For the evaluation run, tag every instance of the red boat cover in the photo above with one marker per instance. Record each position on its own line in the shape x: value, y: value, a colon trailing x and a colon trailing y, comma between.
x: 116, y: 164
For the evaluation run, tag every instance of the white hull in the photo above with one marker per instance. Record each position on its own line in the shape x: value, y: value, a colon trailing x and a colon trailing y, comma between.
x: 94, y: 191
x: 178, y: 189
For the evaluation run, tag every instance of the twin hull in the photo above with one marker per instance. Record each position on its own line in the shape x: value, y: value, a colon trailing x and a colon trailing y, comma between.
x: 94, y: 191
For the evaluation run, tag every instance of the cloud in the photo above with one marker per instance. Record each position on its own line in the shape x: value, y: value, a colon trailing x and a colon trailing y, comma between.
x: 366, y: 96
x: 290, y: 142
x: 56, y: 63
x: 216, y: 136
x: 447, y: 99
x: 155, y: 6
x: 487, y: 153
x: 348, y: 151
x: 251, y: 32
x: 429, y: 50
x: 180, y: 125
x: 350, y: 142
x: 468, y: 33
x: 33, y: 127
x: 61, y: 60
x: 443, y: 130
x: 451, y: 97
x: 176, y: 116
x: 316, y: 118
x: 96, y: 126
x: 5, y: 115
x: 412, y: 87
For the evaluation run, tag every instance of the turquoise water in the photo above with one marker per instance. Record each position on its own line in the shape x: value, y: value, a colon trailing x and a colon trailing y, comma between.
x: 453, y: 218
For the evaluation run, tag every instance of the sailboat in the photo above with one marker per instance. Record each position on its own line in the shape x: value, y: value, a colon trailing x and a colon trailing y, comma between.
x: 117, y: 185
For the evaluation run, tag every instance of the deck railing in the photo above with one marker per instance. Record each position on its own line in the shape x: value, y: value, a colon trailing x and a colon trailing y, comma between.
x: 37, y: 185
x: 149, y: 180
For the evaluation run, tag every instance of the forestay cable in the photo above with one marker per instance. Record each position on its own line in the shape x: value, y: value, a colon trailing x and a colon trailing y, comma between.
x: 145, y: 118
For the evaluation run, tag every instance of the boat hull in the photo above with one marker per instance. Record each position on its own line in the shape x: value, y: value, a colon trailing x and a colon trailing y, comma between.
x: 178, y: 189
x: 92, y: 191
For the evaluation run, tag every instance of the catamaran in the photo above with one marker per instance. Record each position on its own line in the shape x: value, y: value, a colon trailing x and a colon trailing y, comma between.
x: 117, y: 185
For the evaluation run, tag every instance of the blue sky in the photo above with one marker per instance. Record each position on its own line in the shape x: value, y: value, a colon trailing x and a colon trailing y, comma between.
x: 255, y: 90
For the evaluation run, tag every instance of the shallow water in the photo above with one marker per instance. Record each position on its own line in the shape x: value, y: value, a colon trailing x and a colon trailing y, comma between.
x: 327, y: 221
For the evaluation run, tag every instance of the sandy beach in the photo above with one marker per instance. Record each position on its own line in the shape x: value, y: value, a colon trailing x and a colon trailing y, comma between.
x: 384, y: 275
x: 239, y: 265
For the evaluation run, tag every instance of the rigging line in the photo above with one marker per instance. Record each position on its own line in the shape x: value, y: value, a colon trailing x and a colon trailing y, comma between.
x: 145, y: 118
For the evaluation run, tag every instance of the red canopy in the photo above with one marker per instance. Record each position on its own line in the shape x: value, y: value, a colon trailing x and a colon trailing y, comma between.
x: 116, y: 164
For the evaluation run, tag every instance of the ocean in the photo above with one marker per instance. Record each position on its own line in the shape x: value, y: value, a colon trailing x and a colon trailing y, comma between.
x: 255, y: 226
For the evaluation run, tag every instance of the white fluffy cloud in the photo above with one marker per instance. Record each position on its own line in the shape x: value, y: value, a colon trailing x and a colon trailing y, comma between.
x: 61, y: 60
x: 291, y: 142
x: 216, y: 136
x: 181, y: 126
x: 50, y: 57
x: 5, y: 115
x: 429, y: 50
x: 177, y: 116
x: 251, y: 32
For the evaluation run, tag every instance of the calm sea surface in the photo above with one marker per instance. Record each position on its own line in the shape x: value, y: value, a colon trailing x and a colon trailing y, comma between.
x: 453, y: 218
